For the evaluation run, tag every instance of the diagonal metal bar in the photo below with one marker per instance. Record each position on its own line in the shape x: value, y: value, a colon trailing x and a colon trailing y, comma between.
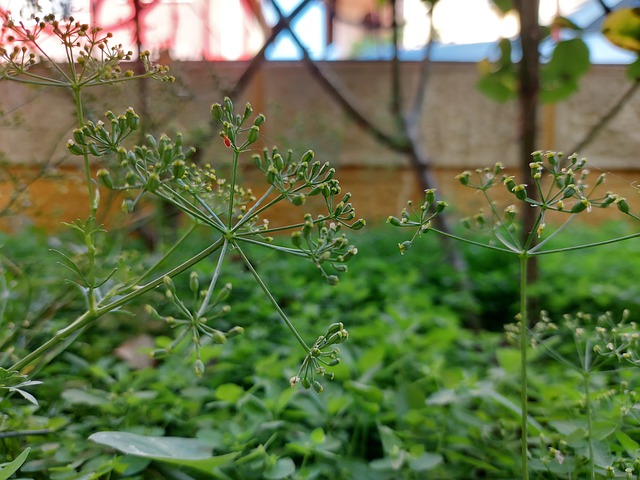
x: 340, y: 94
x: 283, y: 24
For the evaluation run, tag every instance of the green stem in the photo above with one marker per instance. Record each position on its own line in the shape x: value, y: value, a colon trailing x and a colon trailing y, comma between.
x: 91, y: 315
x: 524, y: 401
x: 587, y: 392
x: 590, y: 245
x: 232, y: 192
x: 470, y: 242
x: 292, y: 251
x: 158, y: 281
x: 214, y: 281
x: 273, y: 301
x: 166, y: 255
x: 59, y: 337
x: 93, y: 204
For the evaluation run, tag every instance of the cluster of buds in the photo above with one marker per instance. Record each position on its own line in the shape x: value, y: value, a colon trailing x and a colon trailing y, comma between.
x: 192, y: 323
x: 620, y: 340
x: 233, y: 125
x: 161, y: 167
x: 100, y: 140
x: 88, y: 47
x: 319, y: 357
x: 327, y: 247
x: 420, y: 218
x: 569, y: 190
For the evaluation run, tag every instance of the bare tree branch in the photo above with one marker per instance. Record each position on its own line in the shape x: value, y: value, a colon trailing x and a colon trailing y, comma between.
x: 604, y: 120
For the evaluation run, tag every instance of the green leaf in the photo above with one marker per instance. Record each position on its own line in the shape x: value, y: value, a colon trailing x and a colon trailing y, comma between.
x: 498, y: 86
x: 77, y: 396
x: 633, y: 70
x: 628, y: 443
x: 390, y: 441
x: 317, y: 435
x: 426, y: 461
x: 12, y: 467
x: 229, y: 392
x: 622, y: 28
x: 187, y: 452
x: 283, y: 468
x: 559, y: 78
x: 504, y: 6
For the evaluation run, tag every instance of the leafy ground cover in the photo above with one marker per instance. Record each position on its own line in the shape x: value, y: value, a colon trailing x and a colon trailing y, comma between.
x: 417, y: 393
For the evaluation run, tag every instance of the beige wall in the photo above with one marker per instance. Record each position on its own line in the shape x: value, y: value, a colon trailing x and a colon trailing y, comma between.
x: 461, y: 128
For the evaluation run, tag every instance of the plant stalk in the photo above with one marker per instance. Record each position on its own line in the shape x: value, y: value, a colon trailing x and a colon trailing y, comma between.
x: 524, y: 405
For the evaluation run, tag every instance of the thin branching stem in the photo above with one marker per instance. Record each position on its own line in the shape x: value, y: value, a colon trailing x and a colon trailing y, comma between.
x: 273, y: 301
x: 214, y: 280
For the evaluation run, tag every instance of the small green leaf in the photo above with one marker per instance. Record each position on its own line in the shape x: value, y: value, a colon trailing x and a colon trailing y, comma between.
x: 229, y: 392
x: 187, y: 452
x: 628, y: 443
x: 283, y: 468
x: 317, y: 435
x: 424, y: 462
x: 559, y: 77
x: 77, y: 396
x: 12, y: 467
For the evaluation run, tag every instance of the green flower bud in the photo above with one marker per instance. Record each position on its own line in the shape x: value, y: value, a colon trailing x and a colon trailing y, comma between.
x: 440, y: 206
x: 198, y: 368
x: 259, y: 120
x: 93, y: 148
x: 74, y: 148
x: 334, y: 328
x: 305, y: 382
x: 168, y: 283
x: 159, y: 353
x: 228, y: 104
x: 520, y: 191
x: 358, y: 224
x: 569, y: 191
x: 622, y: 205
x: 464, y: 177
x: 194, y: 282
x: 133, y: 120
x: 394, y: 221
x: 257, y: 161
x: 317, y: 387
x: 308, y: 157
x: 218, y: 337
x: 296, y: 239
x: 224, y: 293
x: 104, y: 177
x: 178, y: 168
x: 152, y: 312
x: 235, y: 331
x: 216, y: 112
x: 430, y: 195
x: 297, y: 199
x: 79, y: 137
x: 404, y: 246
x: 254, y: 133
x: 272, y: 175
x: 580, y: 206
x: 332, y: 280
x: 153, y: 182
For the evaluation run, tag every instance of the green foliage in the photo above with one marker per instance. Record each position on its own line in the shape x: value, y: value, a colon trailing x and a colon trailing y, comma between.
x: 416, y: 394
x: 562, y: 188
